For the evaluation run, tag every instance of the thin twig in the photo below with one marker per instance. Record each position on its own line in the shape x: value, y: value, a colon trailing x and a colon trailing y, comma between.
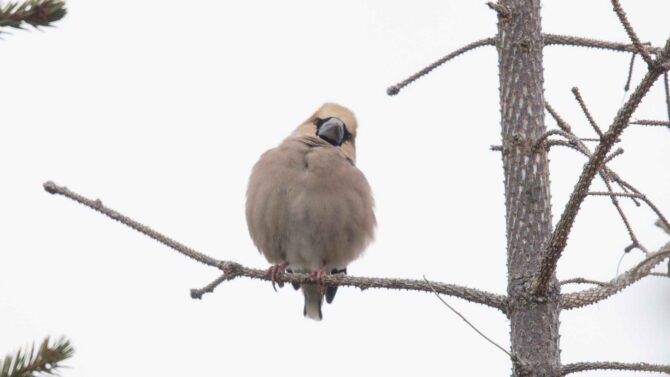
x: 582, y: 104
x: 646, y: 122
x: 466, y: 320
x: 558, y: 239
x: 569, y: 40
x: 666, y: 84
x: 613, y: 365
x: 233, y: 270
x: 613, y: 155
x: 608, y: 173
x: 640, y: 196
x: 545, y: 135
x: 560, y: 121
x: 209, y: 288
x: 630, y: 72
x: 661, y: 274
x: 633, y: 238
x: 597, y: 294
x: 631, y: 33
x: 395, y: 89
x: 582, y: 281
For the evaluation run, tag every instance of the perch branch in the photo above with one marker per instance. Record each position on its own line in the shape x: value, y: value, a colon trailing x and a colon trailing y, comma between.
x: 593, y: 295
x: 233, y: 270
x: 612, y: 365
x: 558, y: 239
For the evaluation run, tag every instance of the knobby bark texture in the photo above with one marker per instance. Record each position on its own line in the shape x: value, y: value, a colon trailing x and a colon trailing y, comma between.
x: 534, y: 319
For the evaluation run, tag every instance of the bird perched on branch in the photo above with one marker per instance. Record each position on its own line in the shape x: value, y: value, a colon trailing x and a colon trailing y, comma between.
x: 309, y: 208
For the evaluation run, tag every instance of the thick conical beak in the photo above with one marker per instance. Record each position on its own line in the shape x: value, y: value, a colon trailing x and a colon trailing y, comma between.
x: 332, y: 131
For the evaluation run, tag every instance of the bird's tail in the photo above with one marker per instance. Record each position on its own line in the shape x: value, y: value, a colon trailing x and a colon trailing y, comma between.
x: 313, y: 301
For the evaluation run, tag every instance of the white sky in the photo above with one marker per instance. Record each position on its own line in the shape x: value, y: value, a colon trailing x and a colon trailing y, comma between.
x: 160, y: 109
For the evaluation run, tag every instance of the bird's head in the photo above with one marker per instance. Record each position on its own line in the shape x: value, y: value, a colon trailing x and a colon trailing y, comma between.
x: 335, y: 125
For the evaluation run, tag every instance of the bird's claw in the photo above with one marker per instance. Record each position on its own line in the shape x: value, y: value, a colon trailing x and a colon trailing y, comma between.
x: 317, y: 277
x: 273, y: 274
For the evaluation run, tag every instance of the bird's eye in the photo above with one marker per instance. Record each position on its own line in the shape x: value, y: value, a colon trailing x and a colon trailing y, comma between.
x: 347, y: 134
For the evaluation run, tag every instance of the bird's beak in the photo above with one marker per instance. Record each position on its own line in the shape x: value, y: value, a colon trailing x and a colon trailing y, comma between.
x: 332, y: 131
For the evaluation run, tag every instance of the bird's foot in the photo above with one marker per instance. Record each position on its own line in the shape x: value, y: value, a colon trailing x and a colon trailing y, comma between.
x: 317, y: 277
x: 273, y: 273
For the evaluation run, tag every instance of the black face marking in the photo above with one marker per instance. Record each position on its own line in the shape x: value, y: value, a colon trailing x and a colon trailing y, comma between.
x: 333, y: 130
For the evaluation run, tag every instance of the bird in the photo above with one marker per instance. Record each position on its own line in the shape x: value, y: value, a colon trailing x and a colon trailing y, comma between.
x: 309, y: 209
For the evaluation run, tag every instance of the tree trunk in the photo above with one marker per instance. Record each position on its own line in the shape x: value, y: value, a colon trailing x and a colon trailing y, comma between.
x: 534, y: 320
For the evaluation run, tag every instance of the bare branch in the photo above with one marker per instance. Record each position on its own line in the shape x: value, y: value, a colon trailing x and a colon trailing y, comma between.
x: 582, y: 104
x: 540, y: 140
x: 613, y: 197
x: 666, y: 84
x: 645, y: 122
x: 593, y: 295
x: 549, y: 39
x: 631, y: 33
x: 612, y: 365
x: 661, y: 274
x: 637, y: 195
x: 560, y: 121
x: 556, y: 243
x: 233, y: 270
x: 582, y: 281
x: 613, y: 155
x: 630, y: 72
x: 664, y: 226
x: 569, y: 40
x: 209, y: 288
x: 394, y: 89
x: 468, y: 322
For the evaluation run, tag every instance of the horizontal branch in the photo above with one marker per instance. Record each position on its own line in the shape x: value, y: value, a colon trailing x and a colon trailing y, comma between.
x: 569, y: 40
x: 645, y: 122
x: 232, y: 270
x: 549, y: 40
x: 582, y: 281
x: 593, y: 295
x: 612, y: 365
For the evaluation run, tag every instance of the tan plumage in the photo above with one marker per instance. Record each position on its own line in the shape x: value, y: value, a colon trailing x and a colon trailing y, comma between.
x: 307, y: 202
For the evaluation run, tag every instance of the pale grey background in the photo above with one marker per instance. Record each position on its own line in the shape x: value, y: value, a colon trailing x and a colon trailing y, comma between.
x: 160, y: 108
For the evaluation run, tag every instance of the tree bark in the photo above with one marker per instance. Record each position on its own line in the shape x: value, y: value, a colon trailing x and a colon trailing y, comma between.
x: 534, y: 319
